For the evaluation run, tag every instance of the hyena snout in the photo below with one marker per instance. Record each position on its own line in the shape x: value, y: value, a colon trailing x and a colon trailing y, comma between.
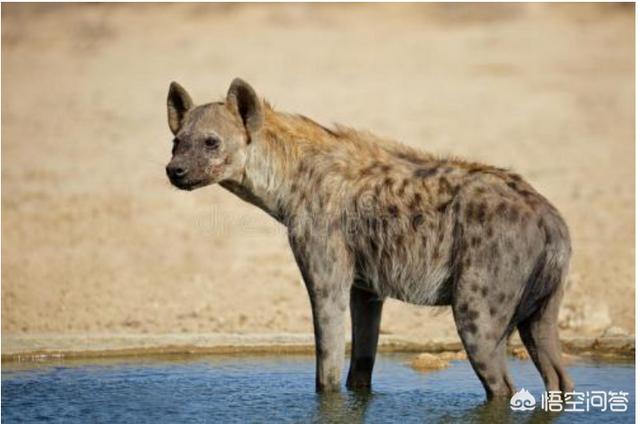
x: 176, y: 172
x: 183, y: 176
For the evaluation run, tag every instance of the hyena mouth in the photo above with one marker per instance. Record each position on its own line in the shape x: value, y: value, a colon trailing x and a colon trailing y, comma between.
x: 188, y: 185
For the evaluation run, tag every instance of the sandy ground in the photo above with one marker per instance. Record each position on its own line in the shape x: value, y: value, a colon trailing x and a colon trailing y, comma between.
x: 94, y: 240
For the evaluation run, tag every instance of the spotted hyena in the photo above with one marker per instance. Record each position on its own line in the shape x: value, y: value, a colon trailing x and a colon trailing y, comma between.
x: 369, y: 219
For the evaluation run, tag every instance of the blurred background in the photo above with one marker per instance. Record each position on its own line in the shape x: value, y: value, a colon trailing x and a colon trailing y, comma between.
x: 95, y: 240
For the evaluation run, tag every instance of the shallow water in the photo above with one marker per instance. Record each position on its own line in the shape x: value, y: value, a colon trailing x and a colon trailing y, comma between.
x: 279, y: 389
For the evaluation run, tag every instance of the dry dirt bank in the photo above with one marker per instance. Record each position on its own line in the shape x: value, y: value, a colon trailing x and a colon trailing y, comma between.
x: 95, y: 240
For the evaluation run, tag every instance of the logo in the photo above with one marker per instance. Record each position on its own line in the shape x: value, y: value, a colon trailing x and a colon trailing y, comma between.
x: 523, y: 401
x: 556, y: 401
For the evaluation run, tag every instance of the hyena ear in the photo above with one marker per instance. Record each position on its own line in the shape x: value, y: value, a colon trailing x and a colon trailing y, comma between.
x: 245, y: 103
x: 178, y: 103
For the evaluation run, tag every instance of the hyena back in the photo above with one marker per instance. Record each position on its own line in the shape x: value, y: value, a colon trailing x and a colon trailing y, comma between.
x: 370, y: 219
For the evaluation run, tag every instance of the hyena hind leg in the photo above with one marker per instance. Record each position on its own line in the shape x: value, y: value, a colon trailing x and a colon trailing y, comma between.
x: 539, y: 333
x: 480, y: 327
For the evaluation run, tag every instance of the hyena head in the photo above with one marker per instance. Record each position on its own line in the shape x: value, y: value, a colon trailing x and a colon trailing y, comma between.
x: 210, y: 141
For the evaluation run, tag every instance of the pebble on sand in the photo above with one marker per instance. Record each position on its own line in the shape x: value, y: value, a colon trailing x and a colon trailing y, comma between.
x: 453, y: 355
x: 428, y: 362
x: 520, y: 352
x: 614, y: 331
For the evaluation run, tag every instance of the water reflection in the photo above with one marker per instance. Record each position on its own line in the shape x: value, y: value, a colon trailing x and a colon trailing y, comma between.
x: 350, y: 407
x: 500, y: 412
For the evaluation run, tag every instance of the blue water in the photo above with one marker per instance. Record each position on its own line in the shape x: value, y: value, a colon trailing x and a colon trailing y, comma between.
x: 261, y: 389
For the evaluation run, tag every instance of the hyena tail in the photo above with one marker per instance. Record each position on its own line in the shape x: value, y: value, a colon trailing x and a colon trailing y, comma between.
x: 548, y: 276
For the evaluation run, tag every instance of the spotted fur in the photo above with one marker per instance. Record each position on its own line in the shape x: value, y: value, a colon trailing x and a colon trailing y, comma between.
x: 370, y: 218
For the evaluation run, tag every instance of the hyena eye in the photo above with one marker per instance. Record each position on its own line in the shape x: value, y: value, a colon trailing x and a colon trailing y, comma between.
x: 212, y: 142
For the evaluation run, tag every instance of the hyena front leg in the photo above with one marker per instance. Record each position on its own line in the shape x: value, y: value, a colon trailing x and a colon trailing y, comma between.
x: 366, y: 310
x: 329, y: 311
x: 327, y: 270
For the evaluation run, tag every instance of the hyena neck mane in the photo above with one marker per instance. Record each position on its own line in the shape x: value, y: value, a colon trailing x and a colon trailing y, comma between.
x: 293, y: 160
